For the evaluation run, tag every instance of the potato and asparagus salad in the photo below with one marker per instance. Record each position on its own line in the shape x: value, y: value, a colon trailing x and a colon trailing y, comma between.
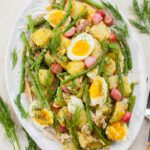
x: 75, y: 65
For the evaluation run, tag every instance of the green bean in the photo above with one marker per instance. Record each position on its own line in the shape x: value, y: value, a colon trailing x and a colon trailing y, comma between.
x: 22, y: 81
x: 39, y: 21
x: 81, y: 73
x: 132, y: 103
x: 101, y: 66
x: 128, y: 54
x: 119, y: 74
x: 74, y: 21
x: 125, y: 57
x: 94, y: 3
x: 101, y: 136
x: 87, y: 105
x: 59, y: 98
x: 26, y: 43
x: 31, y: 23
x: 80, y: 93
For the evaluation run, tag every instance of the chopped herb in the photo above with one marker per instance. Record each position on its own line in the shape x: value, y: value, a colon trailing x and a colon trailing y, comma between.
x: 14, y: 58
x: 8, y: 125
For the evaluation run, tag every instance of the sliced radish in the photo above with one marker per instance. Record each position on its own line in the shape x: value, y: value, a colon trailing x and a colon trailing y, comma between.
x: 89, y: 61
x: 126, y: 118
x: 62, y: 128
x: 70, y: 32
x: 112, y: 37
x: 108, y: 20
x: 65, y: 89
x: 56, y: 68
x: 102, y: 13
x: 96, y: 18
x: 116, y: 94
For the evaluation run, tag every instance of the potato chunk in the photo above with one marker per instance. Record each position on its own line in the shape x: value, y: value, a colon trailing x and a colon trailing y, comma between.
x: 119, y: 112
x: 97, y: 50
x: 110, y: 67
x: 77, y: 8
x: 69, y: 145
x: 41, y: 37
x: 100, y: 31
x: 91, y: 11
x: 126, y: 86
x: 74, y: 67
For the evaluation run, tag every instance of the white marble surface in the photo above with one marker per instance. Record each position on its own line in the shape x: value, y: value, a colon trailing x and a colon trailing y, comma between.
x: 9, y: 10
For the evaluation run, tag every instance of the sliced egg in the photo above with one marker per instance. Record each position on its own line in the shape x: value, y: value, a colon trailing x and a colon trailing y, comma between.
x: 74, y: 103
x: 81, y: 47
x: 116, y: 131
x: 55, y: 16
x: 98, y: 91
x: 42, y: 117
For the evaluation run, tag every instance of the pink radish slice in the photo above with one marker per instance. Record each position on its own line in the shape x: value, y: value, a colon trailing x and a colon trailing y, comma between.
x: 112, y: 37
x: 70, y: 32
x: 102, y: 13
x: 62, y: 128
x: 116, y: 94
x: 126, y: 117
x: 64, y: 89
x: 56, y: 68
x: 89, y: 61
x: 96, y: 18
x: 108, y: 20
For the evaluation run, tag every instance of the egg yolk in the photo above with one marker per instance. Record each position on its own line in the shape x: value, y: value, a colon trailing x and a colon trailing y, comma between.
x: 81, y: 48
x: 96, y: 89
x: 43, y: 117
x: 116, y: 131
x: 56, y: 17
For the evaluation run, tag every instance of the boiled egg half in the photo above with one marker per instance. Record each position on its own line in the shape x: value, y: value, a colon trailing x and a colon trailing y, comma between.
x: 116, y: 131
x: 81, y: 47
x: 74, y: 103
x: 42, y: 117
x: 55, y: 16
x: 98, y: 91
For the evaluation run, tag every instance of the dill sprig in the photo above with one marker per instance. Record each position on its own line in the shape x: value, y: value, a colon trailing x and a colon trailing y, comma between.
x: 141, y: 13
x: 8, y: 124
x: 14, y: 58
x: 31, y: 144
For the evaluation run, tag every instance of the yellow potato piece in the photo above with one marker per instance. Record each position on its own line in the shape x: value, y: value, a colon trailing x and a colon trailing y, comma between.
x: 69, y: 145
x: 74, y: 67
x: 110, y: 67
x: 77, y: 9
x: 100, y: 31
x: 91, y: 11
x: 41, y: 37
x: 97, y: 51
x: 118, y: 113
x: 43, y: 76
x: 126, y: 86
x: 116, y: 131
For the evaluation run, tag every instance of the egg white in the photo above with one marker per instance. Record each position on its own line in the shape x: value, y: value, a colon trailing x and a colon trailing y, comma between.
x: 83, y: 36
x: 100, y: 100
x: 53, y: 11
x: 74, y: 103
x: 34, y: 105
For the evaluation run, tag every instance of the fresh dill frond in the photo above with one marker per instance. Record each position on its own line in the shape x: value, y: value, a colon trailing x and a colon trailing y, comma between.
x: 14, y: 58
x: 141, y: 13
x: 8, y: 124
x: 24, y: 114
x: 31, y: 144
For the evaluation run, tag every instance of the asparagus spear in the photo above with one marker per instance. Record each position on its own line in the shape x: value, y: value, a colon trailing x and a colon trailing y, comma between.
x: 119, y: 73
x: 81, y: 73
x: 95, y: 4
x: 31, y: 23
x: 74, y: 21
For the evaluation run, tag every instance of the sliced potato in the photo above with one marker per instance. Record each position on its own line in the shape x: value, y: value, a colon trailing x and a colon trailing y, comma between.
x: 91, y: 11
x: 41, y: 37
x: 97, y: 52
x: 126, y: 86
x: 100, y: 31
x: 119, y: 112
x: 110, y: 67
x: 74, y: 67
x: 69, y: 145
x: 113, y: 81
x: 77, y: 8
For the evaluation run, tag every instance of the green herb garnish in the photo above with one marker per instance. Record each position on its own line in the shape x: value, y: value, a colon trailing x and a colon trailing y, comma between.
x: 8, y: 125
x: 14, y: 58
x: 142, y: 16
